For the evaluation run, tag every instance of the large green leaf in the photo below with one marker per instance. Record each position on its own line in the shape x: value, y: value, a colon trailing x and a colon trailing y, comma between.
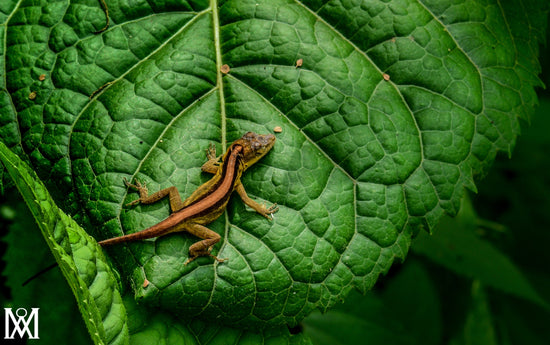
x: 27, y: 254
x: 396, y: 106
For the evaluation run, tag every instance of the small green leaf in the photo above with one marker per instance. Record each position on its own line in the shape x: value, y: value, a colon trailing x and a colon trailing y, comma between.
x: 457, y: 247
x: 406, y: 311
x: 479, y: 328
x: 26, y: 254
x: 78, y: 255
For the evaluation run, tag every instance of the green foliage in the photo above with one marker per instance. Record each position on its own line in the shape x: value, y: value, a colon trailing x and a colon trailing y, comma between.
x: 405, y: 311
x: 470, y: 282
x: 363, y: 162
x: 27, y: 254
x: 79, y: 257
x: 459, y: 248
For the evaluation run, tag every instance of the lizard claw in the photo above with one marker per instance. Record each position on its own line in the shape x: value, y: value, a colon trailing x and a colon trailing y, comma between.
x: 135, y: 202
x: 214, y: 256
x: 218, y: 259
x: 139, y: 187
x: 211, y: 152
x: 213, y: 162
x: 268, y: 212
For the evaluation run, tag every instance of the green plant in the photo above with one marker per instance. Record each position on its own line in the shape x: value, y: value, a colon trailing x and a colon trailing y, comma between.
x: 390, y: 113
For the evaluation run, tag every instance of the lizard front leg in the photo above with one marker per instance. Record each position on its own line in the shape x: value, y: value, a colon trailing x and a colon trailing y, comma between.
x: 213, y: 163
x: 176, y: 203
x: 261, y: 209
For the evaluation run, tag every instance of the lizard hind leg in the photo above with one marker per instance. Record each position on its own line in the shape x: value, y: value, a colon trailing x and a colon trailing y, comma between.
x: 204, y: 247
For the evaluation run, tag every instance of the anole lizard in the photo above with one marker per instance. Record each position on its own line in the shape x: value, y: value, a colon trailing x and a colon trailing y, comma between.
x: 208, y: 202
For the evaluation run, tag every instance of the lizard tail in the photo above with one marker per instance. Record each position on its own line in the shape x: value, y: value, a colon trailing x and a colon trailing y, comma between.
x: 136, y: 236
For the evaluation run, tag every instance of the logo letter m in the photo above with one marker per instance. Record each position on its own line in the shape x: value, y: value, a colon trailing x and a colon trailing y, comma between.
x: 20, y: 323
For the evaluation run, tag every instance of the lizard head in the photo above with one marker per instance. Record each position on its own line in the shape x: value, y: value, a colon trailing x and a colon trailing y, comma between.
x: 254, y: 146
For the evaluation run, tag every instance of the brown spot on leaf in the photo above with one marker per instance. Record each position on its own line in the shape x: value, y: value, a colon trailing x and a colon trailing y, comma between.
x: 225, y: 69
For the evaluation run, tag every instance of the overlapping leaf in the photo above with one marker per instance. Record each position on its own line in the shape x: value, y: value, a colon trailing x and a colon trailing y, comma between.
x: 395, y: 107
x: 79, y: 257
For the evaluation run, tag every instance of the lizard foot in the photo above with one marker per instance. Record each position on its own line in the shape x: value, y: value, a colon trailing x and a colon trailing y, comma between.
x: 141, y: 188
x: 268, y: 212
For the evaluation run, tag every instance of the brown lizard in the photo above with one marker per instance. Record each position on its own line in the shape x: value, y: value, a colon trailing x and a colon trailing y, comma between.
x: 209, y: 200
